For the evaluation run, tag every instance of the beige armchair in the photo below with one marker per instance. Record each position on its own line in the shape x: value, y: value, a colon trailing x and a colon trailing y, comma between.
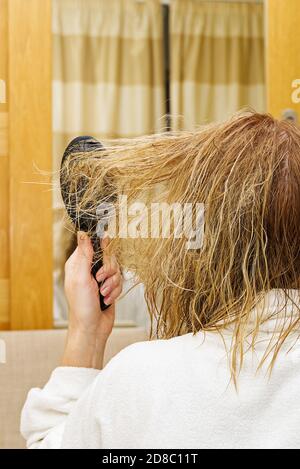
x: 30, y: 358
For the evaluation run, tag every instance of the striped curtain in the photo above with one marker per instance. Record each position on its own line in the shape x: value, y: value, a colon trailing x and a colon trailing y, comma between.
x: 108, y: 77
x: 108, y: 82
x: 217, y: 60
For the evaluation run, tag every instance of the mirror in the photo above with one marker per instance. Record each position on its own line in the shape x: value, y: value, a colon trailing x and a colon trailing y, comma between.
x: 125, y: 69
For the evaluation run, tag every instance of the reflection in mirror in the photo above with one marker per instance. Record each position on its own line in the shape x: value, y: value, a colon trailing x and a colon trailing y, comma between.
x: 125, y: 69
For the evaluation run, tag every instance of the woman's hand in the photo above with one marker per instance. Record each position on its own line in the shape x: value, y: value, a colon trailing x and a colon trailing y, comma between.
x: 89, y: 327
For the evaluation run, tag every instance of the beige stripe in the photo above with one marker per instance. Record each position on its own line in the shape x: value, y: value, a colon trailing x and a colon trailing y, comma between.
x: 108, y: 60
x: 217, y: 61
x: 194, y: 104
x: 3, y: 133
x: 108, y: 18
x: 107, y: 109
x: 218, y: 19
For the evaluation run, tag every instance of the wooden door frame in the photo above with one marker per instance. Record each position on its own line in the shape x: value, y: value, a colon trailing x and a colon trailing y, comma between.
x: 30, y: 147
x: 282, y: 56
x: 4, y: 165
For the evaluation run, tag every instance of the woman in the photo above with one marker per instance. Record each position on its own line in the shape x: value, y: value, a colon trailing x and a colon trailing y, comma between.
x: 226, y: 370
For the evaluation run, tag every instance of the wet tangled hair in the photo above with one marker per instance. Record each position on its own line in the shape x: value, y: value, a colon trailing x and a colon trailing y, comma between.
x: 246, y: 172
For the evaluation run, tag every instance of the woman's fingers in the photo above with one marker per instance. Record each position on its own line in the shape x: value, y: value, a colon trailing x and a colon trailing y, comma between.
x: 104, y: 244
x: 113, y: 295
x: 110, y: 267
x: 111, y: 283
x: 110, y: 264
x: 110, y: 275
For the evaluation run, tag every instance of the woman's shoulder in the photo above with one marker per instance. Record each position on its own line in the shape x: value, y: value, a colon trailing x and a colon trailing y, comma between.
x: 157, y: 346
x: 140, y: 371
x: 151, y: 354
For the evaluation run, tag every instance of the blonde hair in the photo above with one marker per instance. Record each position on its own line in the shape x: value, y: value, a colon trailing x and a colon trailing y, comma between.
x: 246, y: 172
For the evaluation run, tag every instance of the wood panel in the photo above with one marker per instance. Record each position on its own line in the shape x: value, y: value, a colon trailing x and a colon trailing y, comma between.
x: 283, y: 56
x: 30, y: 138
x: 4, y: 172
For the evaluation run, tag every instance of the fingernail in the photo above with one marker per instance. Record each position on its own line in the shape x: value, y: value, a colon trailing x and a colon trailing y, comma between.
x: 81, y: 236
x: 104, y: 290
x: 107, y: 300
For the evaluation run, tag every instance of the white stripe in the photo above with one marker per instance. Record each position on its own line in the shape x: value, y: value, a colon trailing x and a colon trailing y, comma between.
x: 107, y: 108
x: 202, y: 103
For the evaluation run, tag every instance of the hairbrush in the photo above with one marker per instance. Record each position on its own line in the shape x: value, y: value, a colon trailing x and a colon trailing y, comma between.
x: 83, y: 218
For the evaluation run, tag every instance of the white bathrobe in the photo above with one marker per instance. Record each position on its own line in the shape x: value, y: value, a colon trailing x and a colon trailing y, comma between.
x: 173, y: 393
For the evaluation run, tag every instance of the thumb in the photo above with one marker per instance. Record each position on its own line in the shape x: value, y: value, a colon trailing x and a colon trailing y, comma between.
x: 85, y: 250
x: 104, y: 244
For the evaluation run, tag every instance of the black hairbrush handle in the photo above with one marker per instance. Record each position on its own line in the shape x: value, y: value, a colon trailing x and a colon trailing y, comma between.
x: 97, y: 264
x: 82, y: 222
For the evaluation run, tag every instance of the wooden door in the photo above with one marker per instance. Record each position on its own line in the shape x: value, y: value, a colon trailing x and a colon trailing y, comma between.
x: 25, y: 146
x: 283, y: 56
x: 4, y: 172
